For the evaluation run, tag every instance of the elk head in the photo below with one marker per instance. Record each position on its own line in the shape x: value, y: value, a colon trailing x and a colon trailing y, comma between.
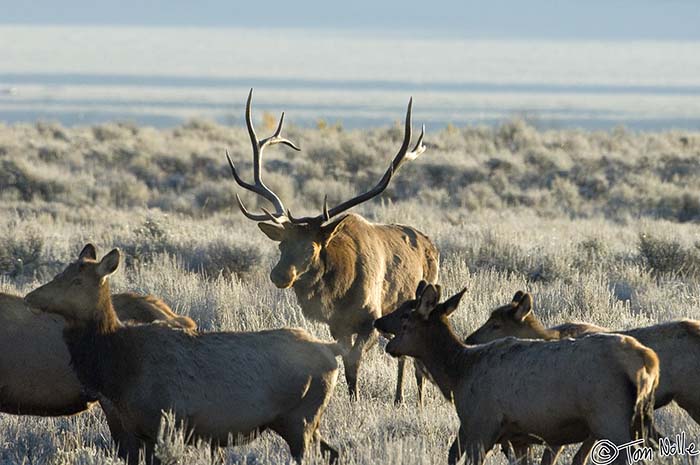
x: 515, y: 319
x: 75, y: 291
x: 423, y: 320
x: 302, y: 240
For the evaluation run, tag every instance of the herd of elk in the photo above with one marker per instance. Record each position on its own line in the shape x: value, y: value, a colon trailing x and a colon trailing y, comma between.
x: 345, y: 271
x: 71, y: 343
x: 525, y: 391
x: 35, y: 373
x: 221, y: 385
x: 677, y: 344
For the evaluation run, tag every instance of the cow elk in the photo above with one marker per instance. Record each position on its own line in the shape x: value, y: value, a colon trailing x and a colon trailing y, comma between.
x: 345, y: 271
x: 35, y: 373
x: 524, y: 391
x: 220, y: 385
x: 677, y: 344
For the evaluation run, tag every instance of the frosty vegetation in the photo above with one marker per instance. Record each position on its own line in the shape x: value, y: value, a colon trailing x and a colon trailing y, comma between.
x: 598, y: 226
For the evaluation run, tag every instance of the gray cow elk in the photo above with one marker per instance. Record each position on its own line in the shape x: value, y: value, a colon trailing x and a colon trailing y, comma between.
x: 524, y: 391
x: 677, y: 344
x: 35, y: 373
x: 345, y: 271
x: 220, y: 385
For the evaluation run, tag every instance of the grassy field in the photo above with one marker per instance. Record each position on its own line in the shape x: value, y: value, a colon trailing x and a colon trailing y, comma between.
x: 599, y: 226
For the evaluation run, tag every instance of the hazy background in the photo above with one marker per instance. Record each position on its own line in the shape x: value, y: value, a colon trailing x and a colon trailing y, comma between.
x: 557, y: 63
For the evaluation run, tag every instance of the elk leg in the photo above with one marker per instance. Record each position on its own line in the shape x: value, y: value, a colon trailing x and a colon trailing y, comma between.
x: 128, y: 448
x: 398, y: 397
x: 293, y: 432
x: 550, y: 454
x: 327, y: 449
x: 149, y: 453
x: 692, y: 406
x: 299, y: 427
x: 582, y: 454
x: 521, y: 454
x: 474, y: 440
x: 419, y: 370
x: 351, y: 379
x: 457, y: 448
x: 365, y: 339
x: 217, y: 454
x: 128, y: 445
x: 463, y: 445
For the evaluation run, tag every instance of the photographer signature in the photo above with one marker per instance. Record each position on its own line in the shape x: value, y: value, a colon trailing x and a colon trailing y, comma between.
x: 605, y: 452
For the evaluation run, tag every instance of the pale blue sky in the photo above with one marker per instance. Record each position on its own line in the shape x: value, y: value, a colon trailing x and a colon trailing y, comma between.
x: 586, y: 19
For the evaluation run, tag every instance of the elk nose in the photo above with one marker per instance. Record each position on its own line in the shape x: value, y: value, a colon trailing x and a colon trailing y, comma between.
x: 31, y: 300
x: 283, y: 279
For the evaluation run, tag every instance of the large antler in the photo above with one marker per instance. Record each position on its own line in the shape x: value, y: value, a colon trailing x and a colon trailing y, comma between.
x: 258, y: 185
x: 400, y: 157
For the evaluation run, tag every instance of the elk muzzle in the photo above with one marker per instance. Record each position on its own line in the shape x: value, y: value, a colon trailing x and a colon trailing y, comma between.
x: 389, y: 324
x: 37, y: 299
x: 283, y: 278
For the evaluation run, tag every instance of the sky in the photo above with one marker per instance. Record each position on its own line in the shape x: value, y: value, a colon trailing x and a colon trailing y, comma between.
x: 546, y: 19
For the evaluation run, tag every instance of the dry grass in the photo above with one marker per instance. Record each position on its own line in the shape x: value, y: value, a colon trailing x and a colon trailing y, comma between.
x: 598, y: 226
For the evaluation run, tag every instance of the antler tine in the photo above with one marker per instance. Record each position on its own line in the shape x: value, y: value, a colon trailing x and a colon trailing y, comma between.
x: 249, y: 215
x: 271, y: 217
x: 258, y: 147
x: 402, y: 155
x: 277, y: 139
x: 419, y: 148
x: 253, y: 137
x: 240, y: 182
x: 326, y: 215
x: 293, y: 220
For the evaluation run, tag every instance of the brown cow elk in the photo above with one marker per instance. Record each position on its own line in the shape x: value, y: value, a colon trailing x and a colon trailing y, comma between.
x: 677, y: 344
x: 345, y: 271
x: 523, y: 391
x: 35, y: 373
x: 221, y: 385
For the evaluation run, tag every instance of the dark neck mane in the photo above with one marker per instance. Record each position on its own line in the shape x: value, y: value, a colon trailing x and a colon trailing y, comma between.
x: 326, y: 281
x: 98, y: 354
x: 446, y: 358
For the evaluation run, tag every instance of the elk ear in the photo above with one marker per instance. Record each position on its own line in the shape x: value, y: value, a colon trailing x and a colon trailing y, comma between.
x: 427, y: 301
x: 273, y: 231
x: 421, y: 287
x: 88, y: 252
x: 452, y: 303
x: 329, y: 231
x: 523, y: 308
x: 518, y: 296
x: 109, y: 264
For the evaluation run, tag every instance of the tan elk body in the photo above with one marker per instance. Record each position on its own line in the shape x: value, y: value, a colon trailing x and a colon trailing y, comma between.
x: 35, y: 373
x: 221, y: 384
x: 525, y: 391
x: 345, y: 272
x: 677, y: 344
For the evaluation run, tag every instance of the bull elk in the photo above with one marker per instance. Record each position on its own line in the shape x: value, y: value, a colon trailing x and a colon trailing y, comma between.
x: 677, y: 344
x: 345, y: 271
x: 221, y: 385
x: 35, y: 373
x: 524, y: 391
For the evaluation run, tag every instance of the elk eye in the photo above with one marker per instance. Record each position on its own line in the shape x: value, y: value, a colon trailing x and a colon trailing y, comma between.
x: 76, y: 282
x: 496, y: 326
